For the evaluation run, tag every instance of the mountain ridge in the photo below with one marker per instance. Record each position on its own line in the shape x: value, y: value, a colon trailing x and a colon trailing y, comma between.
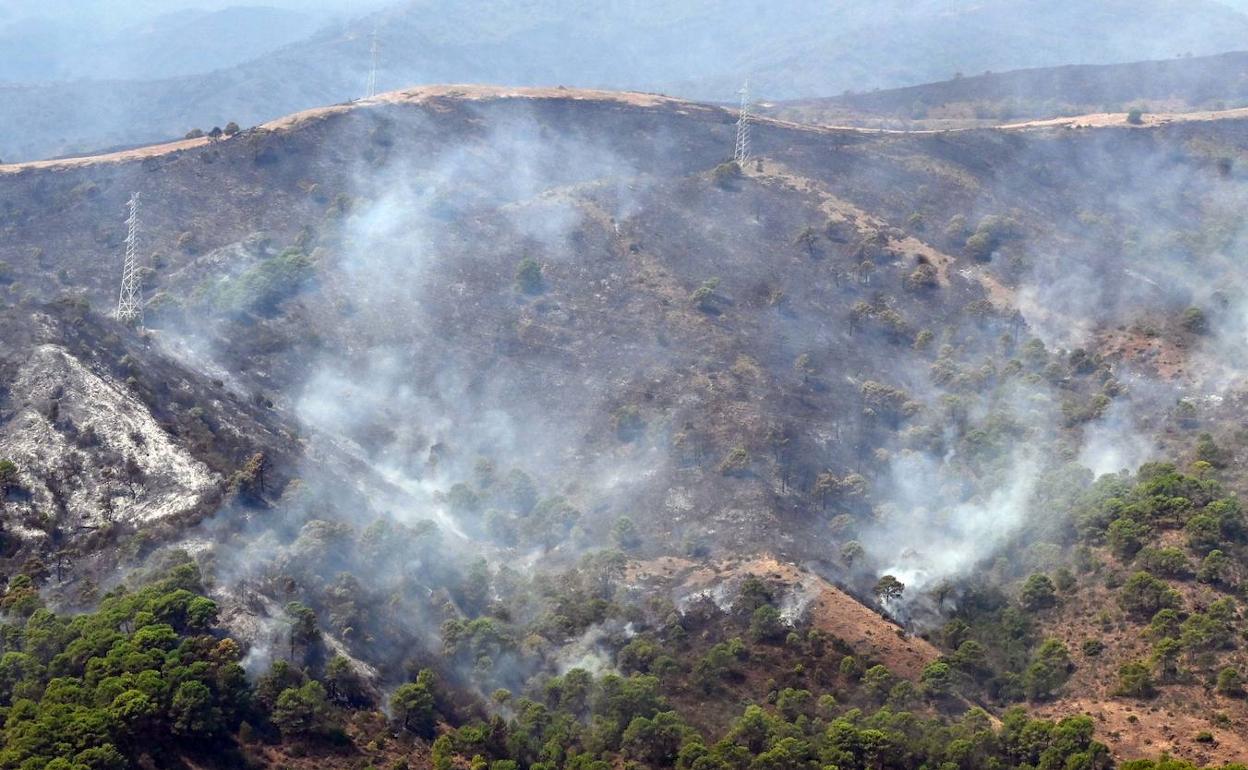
x: 803, y: 49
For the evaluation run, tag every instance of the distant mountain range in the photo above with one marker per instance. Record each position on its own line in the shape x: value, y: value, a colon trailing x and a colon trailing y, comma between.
x: 1172, y: 85
x: 182, y: 43
x: 40, y: 49
x: 699, y: 49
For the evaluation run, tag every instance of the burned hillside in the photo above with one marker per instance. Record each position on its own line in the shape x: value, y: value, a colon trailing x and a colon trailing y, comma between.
x: 438, y: 369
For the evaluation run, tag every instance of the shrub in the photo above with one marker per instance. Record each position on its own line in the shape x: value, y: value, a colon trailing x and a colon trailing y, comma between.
x: 413, y: 706
x: 1165, y: 562
x: 628, y: 423
x: 922, y: 277
x: 877, y: 681
x: 1230, y: 683
x: 1211, y: 630
x: 989, y: 235
x: 792, y: 703
x: 980, y: 246
x: 726, y: 174
x: 1194, y: 320
x: 1143, y: 595
x: 1208, y: 451
x: 937, y: 679
x: 1135, y: 680
x: 766, y: 625
x: 704, y: 297
x: 261, y: 287
x: 625, y: 534
x: 804, y: 366
x: 923, y: 340
x: 654, y: 741
x: 1204, y: 533
x: 529, y: 276
x: 720, y: 664
x: 1135, y: 117
x: 187, y: 242
x: 638, y: 655
x: 1038, y: 593
x: 957, y: 229
x: 808, y: 241
x: 8, y: 476
x: 1065, y: 580
x: 1125, y: 537
x: 736, y: 462
x: 1048, y: 671
x: 1215, y: 568
x: 302, y: 711
x: 888, y: 400
x: 889, y: 588
x: 1165, y: 623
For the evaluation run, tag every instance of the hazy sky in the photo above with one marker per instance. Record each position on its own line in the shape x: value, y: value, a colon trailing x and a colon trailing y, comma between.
x: 137, y: 9
x: 117, y: 14
x: 64, y: 40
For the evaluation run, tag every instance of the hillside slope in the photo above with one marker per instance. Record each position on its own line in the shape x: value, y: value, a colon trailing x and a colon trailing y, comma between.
x: 406, y: 355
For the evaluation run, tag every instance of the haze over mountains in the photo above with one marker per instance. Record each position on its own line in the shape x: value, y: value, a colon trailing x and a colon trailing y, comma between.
x: 190, y: 68
x: 107, y: 39
x: 1184, y: 84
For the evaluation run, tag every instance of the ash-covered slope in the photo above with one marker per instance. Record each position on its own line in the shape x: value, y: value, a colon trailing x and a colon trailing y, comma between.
x: 161, y: 479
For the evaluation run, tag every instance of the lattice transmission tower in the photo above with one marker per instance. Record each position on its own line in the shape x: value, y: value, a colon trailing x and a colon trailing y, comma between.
x: 130, y: 301
x: 372, y: 71
x: 741, y: 153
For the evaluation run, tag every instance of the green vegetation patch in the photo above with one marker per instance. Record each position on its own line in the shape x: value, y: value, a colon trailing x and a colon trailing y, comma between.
x: 263, y: 286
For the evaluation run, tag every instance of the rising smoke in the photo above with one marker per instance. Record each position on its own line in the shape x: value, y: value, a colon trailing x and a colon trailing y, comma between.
x: 1145, y: 239
x: 436, y: 468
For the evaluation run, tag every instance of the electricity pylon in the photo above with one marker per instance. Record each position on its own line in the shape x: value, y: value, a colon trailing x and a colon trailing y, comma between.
x: 741, y: 153
x: 372, y: 72
x: 130, y: 301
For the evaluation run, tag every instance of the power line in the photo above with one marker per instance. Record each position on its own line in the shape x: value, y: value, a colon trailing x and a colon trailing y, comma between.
x: 130, y: 300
